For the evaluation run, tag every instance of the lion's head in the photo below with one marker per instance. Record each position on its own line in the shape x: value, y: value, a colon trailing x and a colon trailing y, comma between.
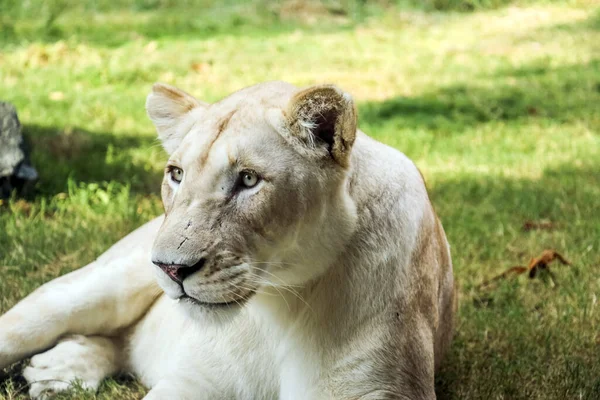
x: 255, y: 190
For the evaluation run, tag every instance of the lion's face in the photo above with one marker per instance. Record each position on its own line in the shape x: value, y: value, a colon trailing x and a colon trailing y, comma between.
x: 254, y: 187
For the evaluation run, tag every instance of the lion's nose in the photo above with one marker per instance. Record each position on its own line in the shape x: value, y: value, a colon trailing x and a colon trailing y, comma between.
x: 178, y: 272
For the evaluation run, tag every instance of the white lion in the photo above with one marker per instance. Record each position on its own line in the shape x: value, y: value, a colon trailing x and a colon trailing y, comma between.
x: 299, y: 259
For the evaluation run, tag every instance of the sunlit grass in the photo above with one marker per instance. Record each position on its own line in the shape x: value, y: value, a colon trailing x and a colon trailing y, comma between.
x: 499, y: 108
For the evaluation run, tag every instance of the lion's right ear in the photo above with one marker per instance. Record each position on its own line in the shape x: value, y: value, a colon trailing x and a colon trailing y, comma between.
x: 166, y: 106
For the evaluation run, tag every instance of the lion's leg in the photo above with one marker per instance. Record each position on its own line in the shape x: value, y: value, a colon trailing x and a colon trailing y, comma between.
x: 107, y: 295
x: 82, y: 359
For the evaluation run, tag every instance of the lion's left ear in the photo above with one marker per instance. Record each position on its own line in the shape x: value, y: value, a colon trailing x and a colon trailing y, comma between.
x: 166, y: 106
x: 324, y: 115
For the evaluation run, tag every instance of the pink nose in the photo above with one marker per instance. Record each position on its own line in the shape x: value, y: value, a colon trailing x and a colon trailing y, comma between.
x: 178, y: 272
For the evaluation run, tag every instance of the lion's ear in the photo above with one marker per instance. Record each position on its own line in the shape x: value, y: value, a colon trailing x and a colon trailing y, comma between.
x: 166, y: 106
x: 324, y: 115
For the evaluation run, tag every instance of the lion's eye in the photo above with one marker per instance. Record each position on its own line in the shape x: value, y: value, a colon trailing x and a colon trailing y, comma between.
x: 249, y: 178
x: 176, y: 174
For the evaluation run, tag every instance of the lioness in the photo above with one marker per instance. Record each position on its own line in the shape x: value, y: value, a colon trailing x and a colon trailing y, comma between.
x: 300, y: 260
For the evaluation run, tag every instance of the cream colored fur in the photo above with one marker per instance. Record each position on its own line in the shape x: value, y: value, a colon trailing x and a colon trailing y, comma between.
x: 329, y: 279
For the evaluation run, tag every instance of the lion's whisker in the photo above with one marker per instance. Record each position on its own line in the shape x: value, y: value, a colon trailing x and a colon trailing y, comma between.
x: 284, y: 287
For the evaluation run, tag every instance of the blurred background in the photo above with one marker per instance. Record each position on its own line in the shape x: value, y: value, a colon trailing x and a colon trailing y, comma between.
x: 497, y: 102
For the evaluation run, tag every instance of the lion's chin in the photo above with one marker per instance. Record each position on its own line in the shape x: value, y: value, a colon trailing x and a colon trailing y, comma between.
x: 214, y: 312
x: 191, y: 300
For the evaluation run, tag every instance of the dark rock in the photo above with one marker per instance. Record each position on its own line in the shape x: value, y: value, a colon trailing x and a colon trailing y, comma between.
x: 16, y: 171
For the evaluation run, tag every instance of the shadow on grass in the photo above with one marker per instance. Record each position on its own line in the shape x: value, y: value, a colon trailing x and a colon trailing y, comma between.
x: 537, y: 90
x: 568, y: 193
x: 89, y: 157
x: 563, y: 94
x: 528, y: 336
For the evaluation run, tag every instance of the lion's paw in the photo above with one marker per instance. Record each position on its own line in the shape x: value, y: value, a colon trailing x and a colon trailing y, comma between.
x: 86, y: 360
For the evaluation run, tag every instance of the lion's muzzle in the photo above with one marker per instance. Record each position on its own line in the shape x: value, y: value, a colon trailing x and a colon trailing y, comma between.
x: 178, y: 272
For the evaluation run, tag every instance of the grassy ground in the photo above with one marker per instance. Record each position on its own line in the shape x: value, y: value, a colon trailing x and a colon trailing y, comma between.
x: 500, y: 108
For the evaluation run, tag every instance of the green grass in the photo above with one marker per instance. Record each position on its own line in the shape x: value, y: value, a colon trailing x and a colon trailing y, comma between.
x: 500, y: 108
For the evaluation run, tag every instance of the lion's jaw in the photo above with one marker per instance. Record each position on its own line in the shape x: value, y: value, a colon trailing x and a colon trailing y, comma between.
x: 222, y: 242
